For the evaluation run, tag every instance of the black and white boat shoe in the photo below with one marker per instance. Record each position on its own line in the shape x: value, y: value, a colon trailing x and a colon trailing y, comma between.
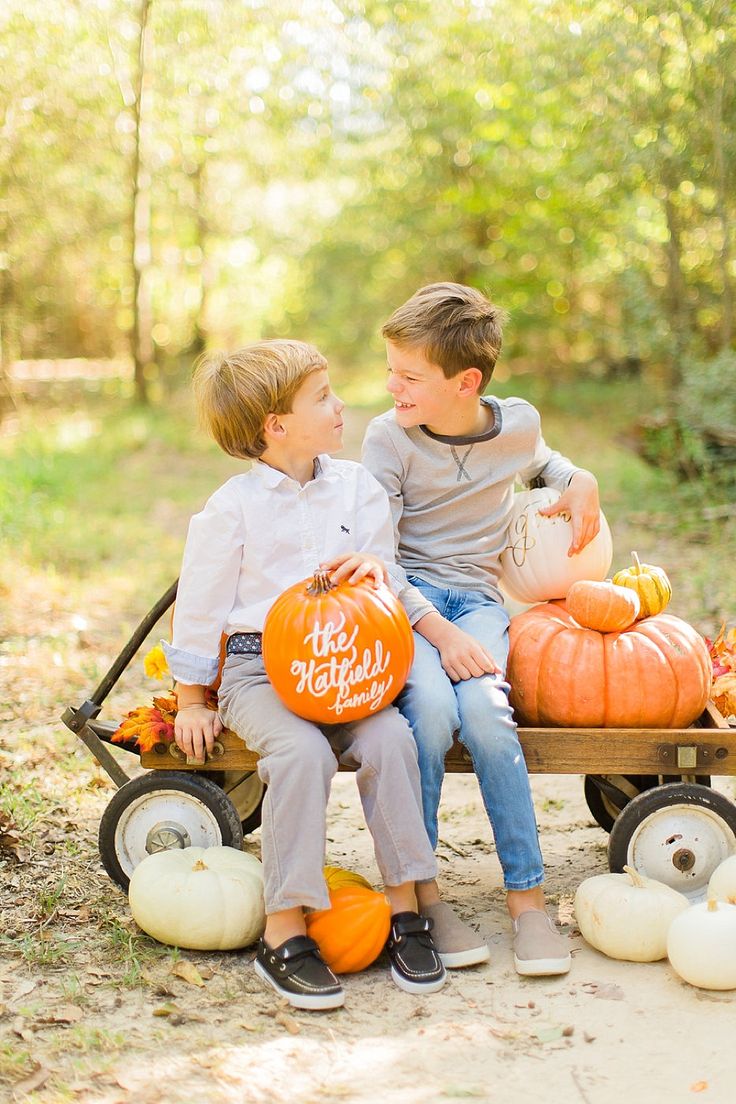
x: 296, y: 970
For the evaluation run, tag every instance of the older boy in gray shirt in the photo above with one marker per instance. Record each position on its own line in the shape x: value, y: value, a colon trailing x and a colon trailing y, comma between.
x: 448, y: 459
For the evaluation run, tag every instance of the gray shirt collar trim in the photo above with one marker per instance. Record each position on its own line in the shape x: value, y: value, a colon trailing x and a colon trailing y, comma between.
x: 492, y: 432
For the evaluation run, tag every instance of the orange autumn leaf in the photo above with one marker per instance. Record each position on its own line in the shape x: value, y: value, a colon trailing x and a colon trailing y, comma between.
x: 723, y: 694
x: 723, y: 651
x: 146, y: 727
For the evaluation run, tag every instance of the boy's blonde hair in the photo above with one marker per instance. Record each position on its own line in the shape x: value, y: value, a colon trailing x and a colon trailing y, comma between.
x: 235, y: 392
x: 455, y: 326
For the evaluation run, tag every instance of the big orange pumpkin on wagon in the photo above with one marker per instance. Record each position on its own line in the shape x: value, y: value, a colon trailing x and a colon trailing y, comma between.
x: 655, y: 673
x: 337, y: 653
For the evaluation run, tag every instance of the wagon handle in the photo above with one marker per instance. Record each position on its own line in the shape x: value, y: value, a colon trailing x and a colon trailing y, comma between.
x: 77, y: 718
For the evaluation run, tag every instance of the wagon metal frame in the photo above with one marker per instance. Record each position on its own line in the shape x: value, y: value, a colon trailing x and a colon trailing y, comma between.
x: 649, y: 787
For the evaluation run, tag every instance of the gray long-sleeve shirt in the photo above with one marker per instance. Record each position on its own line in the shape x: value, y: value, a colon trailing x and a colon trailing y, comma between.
x: 451, y: 497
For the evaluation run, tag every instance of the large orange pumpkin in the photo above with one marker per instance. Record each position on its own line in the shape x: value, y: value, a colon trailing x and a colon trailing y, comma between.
x: 353, y: 931
x: 654, y: 674
x: 337, y: 653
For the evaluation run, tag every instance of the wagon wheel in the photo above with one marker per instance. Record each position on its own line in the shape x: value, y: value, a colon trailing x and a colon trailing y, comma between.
x: 160, y: 811
x: 246, y: 791
x: 607, y: 794
x: 677, y: 833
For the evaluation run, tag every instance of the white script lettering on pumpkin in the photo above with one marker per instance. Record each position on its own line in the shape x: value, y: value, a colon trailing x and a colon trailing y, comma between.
x: 335, y: 666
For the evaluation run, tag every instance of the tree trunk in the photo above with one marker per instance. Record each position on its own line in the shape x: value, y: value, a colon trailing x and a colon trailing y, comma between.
x: 676, y: 301
x: 7, y: 351
x: 724, y: 254
x: 140, y: 217
x: 199, y: 341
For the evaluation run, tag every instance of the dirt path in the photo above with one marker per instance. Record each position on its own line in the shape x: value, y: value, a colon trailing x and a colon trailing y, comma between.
x: 94, y: 1011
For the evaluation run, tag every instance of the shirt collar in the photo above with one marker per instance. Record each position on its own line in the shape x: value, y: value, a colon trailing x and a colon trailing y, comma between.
x: 271, y: 477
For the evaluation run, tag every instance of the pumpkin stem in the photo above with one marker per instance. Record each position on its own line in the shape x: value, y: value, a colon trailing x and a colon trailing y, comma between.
x: 637, y: 563
x: 636, y: 878
x: 712, y: 904
x: 199, y: 865
x: 320, y: 584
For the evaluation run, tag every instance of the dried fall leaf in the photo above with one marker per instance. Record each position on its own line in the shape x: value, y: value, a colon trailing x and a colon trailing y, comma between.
x: 32, y: 1081
x: 188, y: 972
x: 10, y: 840
x: 288, y: 1022
x: 723, y: 693
x: 699, y: 1086
x: 64, y: 1014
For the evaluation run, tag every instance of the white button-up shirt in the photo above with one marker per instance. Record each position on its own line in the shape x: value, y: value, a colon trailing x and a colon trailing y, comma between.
x: 260, y: 533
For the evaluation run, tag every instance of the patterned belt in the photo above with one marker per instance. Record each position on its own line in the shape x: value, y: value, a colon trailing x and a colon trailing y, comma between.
x: 244, y: 644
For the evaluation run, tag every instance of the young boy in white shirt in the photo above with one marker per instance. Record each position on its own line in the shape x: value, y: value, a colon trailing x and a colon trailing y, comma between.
x: 261, y: 532
x: 448, y: 459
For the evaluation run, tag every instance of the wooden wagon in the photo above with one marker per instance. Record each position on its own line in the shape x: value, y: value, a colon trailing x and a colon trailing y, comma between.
x: 650, y: 788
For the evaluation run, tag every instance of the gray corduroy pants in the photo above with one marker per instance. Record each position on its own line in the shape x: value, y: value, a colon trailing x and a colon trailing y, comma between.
x: 298, y: 762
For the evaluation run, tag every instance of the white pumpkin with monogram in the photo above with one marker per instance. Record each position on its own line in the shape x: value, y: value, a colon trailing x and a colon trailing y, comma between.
x: 535, y: 566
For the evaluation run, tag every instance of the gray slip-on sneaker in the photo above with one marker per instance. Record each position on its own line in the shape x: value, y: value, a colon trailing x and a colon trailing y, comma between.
x: 456, y: 942
x: 540, y: 950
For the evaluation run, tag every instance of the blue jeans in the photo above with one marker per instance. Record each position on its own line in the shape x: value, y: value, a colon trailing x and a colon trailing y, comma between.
x: 478, y: 711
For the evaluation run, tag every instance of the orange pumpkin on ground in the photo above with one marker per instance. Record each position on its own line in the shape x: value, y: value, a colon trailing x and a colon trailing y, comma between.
x: 602, y: 606
x: 655, y: 674
x: 353, y: 932
x: 337, y: 653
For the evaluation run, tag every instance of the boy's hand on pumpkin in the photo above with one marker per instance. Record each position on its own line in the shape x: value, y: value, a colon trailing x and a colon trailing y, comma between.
x: 196, y: 727
x: 582, y: 505
x: 354, y: 566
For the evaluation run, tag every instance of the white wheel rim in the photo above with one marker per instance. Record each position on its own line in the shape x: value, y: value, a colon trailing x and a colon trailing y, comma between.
x: 681, y: 845
x: 246, y: 795
x: 190, y: 815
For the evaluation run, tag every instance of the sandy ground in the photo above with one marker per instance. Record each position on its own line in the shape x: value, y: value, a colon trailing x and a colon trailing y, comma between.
x: 607, y: 1032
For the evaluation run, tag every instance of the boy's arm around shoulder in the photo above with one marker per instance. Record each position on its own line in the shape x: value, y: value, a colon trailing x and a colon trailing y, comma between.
x: 375, y: 538
x: 380, y: 457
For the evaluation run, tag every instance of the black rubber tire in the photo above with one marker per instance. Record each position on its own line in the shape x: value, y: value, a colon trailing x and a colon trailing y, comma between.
x: 194, y: 786
x: 601, y: 804
x: 652, y: 801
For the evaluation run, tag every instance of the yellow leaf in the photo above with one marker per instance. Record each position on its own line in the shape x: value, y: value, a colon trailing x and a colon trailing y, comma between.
x: 154, y: 663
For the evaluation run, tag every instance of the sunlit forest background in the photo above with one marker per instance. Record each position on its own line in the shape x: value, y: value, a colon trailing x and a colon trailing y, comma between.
x: 181, y: 174
x: 177, y: 173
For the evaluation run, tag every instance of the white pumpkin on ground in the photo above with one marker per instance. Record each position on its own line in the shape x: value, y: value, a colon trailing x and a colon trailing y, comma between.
x: 722, y: 884
x: 535, y: 566
x: 701, y: 945
x: 202, y: 898
x: 627, y: 916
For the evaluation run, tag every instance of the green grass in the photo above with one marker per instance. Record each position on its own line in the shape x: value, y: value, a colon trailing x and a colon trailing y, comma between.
x: 103, y: 491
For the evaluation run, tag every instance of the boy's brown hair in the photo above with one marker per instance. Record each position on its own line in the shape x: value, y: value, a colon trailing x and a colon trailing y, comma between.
x: 236, y: 392
x: 456, y: 326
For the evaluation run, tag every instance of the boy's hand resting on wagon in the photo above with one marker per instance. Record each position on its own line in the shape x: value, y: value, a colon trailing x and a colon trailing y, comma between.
x: 196, y: 727
x: 461, y: 655
x: 355, y: 566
